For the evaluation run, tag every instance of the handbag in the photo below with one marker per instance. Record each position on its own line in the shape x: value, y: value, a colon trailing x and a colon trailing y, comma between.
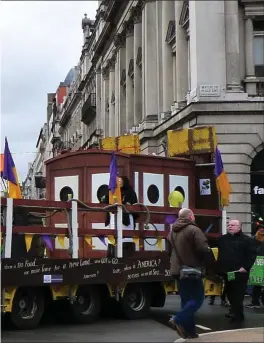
x: 187, y: 272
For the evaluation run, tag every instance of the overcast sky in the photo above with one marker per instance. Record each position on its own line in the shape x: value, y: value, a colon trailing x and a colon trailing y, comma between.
x: 40, y: 42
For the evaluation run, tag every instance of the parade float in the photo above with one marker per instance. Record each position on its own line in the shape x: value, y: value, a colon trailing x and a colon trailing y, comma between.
x: 60, y: 248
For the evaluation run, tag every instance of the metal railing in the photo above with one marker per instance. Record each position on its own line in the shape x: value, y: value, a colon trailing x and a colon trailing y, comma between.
x: 46, y: 209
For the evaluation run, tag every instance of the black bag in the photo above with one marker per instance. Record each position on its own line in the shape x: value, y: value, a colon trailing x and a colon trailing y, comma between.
x: 187, y: 272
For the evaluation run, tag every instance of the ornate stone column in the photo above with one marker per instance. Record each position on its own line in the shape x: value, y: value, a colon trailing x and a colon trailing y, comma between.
x: 105, y: 99
x: 250, y: 68
x: 117, y: 93
x: 120, y: 105
x: 150, y: 61
x: 129, y: 31
x: 167, y: 58
x: 232, y: 46
x: 181, y: 57
x: 137, y: 17
x: 112, y: 95
x: 98, y: 78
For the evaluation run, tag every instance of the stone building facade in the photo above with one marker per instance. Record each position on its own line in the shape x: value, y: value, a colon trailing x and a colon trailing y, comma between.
x: 150, y: 66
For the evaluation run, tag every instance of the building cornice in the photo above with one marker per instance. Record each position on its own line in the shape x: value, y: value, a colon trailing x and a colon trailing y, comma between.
x: 136, y: 14
x: 105, y: 72
x: 120, y: 40
x: 128, y: 27
x: 200, y: 108
x: 253, y: 8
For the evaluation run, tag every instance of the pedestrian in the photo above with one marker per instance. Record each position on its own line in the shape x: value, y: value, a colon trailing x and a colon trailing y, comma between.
x: 189, y: 252
x: 257, y: 293
x: 236, y: 253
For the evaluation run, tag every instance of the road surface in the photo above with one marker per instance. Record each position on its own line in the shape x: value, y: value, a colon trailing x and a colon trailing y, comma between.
x: 154, y: 329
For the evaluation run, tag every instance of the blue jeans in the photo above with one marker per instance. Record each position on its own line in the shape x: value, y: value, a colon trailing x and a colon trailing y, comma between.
x: 191, y: 292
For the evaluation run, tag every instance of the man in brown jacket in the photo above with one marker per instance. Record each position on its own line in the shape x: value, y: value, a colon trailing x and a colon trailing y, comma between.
x: 192, y: 248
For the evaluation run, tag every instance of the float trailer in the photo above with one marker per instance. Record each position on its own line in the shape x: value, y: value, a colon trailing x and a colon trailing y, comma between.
x: 124, y: 280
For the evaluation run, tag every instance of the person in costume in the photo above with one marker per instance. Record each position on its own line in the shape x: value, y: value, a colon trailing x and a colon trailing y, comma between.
x: 129, y: 197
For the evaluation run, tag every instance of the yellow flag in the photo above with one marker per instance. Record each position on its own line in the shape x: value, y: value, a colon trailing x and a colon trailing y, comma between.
x: 136, y: 241
x: 61, y: 240
x: 89, y: 241
x: 159, y: 243
x: 28, y: 240
x: 111, y: 239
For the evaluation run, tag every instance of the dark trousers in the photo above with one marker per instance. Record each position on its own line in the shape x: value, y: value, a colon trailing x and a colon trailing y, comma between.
x: 235, y: 291
x: 256, y: 294
x: 191, y: 292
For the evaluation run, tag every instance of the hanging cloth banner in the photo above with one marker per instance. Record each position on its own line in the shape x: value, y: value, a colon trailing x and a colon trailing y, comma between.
x: 102, y: 239
x: 136, y: 241
x: 89, y: 241
x: 61, y: 240
x: 28, y: 240
x: 48, y: 242
x: 111, y: 240
x: 159, y: 243
x: 256, y: 276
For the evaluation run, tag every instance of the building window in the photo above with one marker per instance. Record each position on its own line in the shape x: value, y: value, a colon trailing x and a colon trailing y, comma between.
x: 259, y: 53
x: 259, y: 48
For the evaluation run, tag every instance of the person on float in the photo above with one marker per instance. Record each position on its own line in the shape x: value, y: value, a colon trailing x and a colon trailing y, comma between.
x: 129, y: 197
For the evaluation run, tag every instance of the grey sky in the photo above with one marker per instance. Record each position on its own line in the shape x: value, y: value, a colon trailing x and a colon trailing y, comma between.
x: 41, y: 41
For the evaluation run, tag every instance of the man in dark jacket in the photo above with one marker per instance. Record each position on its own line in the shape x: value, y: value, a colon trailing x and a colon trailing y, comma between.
x: 236, y: 253
x: 192, y: 247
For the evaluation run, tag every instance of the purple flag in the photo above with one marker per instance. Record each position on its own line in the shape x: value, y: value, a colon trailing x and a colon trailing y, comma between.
x: 170, y: 218
x: 219, y: 168
x: 9, y: 165
x: 113, y: 174
x: 48, y: 242
x: 102, y: 239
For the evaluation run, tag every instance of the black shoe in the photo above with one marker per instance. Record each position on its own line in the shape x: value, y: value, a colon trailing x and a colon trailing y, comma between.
x: 252, y: 306
x: 193, y: 336
x: 177, y: 327
x: 239, y: 319
x: 229, y: 315
x: 225, y: 303
x: 211, y: 302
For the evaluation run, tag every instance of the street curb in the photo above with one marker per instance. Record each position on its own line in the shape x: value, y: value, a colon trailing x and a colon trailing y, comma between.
x: 214, y: 332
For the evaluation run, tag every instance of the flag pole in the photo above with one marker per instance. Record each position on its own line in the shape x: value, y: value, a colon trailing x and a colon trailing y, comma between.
x: 224, y: 220
x: 5, y: 185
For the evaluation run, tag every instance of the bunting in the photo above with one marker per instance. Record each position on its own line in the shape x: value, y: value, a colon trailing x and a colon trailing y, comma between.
x: 112, y: 240
x: 159, y: 243
x: 89, y: 241
x: 137, y: 242
x: 28, y: 240
x: 61, y: 240
x: 102, y: 239
x: 48, y: 242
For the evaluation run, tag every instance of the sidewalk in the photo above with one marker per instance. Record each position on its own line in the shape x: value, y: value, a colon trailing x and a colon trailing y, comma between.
x: 242, y: 335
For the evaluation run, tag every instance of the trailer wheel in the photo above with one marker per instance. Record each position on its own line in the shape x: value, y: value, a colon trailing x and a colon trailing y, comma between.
x: 136, y: 301
x: 87, y: 306
x: 28, y: 308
